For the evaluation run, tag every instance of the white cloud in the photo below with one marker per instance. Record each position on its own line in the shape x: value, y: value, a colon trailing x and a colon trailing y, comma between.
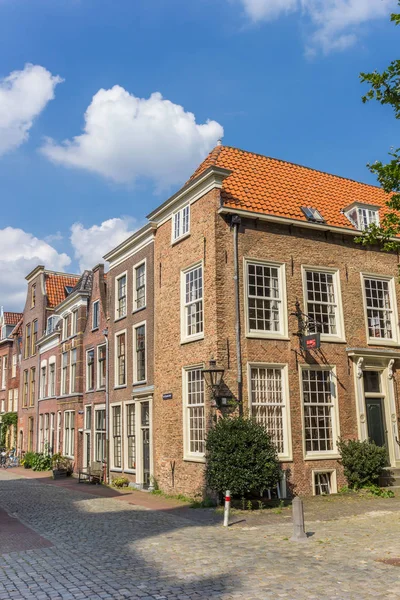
x: 23, y: 96
x: 334, y: 24
x: 20, y: 252
x: 92, y: 243
x: 127, y: 137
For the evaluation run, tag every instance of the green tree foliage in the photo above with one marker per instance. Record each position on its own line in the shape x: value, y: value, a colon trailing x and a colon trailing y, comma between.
x: 241, y: 458
x: 7, y: 420
x: 385, y: 88
x: 363, y: 462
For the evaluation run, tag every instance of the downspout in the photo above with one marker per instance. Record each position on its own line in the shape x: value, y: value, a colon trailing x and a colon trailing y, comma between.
x: 105, y: 332
x: 235, y: 223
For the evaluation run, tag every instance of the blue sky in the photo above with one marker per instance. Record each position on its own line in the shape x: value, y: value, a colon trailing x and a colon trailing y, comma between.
x: 278, y: 79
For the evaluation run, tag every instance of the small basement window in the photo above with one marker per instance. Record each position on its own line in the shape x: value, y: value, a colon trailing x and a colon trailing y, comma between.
x: 312, y: 214
x: 324, y: 483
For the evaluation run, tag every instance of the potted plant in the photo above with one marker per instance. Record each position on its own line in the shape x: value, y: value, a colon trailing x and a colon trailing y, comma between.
x: 61, y: 465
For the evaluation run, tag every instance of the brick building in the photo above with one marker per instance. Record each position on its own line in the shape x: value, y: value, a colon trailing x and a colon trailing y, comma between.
x: 131, y: 364
x: 10, y: 356
x: 235, y: 249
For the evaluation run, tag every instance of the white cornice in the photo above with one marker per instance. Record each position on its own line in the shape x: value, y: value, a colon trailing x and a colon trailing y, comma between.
x: 140, y: 238
x: 211, y: 178
x: 131, y: 251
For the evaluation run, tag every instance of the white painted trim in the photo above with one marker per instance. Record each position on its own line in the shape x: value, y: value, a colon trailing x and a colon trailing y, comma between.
x: 340, y: 336
x: 125, y: 436
x: 287, y: 455
x: 333, y: 479
x: 98, y: 314
x: 283, y: 312
x: 198, y: 336
x: 97, y: 375
x: 111, y: 441
x: 134, y: 291
x: 395, y: 318
x: 116, y: 280
x: 87, y: 388
x: 181, y: 236
x: 333, y: 454
x: 136, y: 381
x: 116, y: 334
x: 187, y: 455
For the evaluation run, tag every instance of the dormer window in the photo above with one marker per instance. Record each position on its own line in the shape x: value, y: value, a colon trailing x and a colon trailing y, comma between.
x: 362, y: 215
x: 52, y: 323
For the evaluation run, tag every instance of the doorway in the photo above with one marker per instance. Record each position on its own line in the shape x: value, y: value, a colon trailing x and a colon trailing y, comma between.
x: 376, y: 421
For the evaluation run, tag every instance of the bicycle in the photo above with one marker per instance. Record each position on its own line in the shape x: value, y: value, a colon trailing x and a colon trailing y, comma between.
x: 3, y: 460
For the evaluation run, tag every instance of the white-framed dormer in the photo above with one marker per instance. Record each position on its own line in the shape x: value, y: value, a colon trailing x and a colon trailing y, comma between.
x: 265, y: 288
x: 269, y: 403
x: 139, y: 283
x: 121, y: 292
x: 380, y: 309
x: 139, y: 345
x: 180, y: 223
x: 362, y: 215
x: 323, y: 302
x: 52, y: 323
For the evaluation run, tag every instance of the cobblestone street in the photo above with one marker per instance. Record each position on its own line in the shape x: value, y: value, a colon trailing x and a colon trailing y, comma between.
x: 63, y: 543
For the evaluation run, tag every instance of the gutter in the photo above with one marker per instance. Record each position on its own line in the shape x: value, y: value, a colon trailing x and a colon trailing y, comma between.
x: 235, y: 224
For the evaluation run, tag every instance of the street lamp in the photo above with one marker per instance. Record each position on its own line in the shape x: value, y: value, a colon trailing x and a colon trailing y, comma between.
x: 213, y: 378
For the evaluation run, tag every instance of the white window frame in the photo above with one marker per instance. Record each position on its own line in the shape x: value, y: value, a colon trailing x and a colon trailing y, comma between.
x: 112, y: 454
x: 90, y: 389
x: 41, y: 437
x: 94, y: 325
x: 72, y: 379
x: 10, y: 401
x: 134, y: 269
x: 377, y: 341
x: 71, y: 440
x: 51, y: 391
x: 339, y: 336
x: 355, y: 216
x: 65, y: 318
x: 64, y: 374
x: 185, y: 338
x: 14, y: 366
x: 178, y: 233
x: 134, y: 329
x: 283, y: 367
x: 187, y: 454
x: 58, y: 433
x: 334, y: 453
x: 16, y: 400
x: 74, y: 322
x: 98, y: 407
x: 43, y: 385
x: 116, y: 371
x: 117, y: 317
x: 133, y: 403
x: 98, y: 369
x: 282, y: 306
x: 333, y: 475
x: 4, y: 372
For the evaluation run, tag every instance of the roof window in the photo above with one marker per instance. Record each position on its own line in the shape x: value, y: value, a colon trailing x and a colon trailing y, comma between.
x: 312, y: 214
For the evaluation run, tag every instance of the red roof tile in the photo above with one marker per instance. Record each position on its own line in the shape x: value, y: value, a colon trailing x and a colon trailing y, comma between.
x: 12, y: 318
x: 55, y: 287
x: 275, y: 187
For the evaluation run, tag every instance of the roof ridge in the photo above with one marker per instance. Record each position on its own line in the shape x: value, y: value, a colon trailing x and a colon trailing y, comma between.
x: 288, y: 162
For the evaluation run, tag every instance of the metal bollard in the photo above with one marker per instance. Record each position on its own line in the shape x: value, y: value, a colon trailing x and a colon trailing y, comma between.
x: 299, y: 534
x: 227, y: 507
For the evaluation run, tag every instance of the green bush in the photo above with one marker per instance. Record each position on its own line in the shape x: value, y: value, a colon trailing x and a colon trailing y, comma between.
x: 363, y: 462
x: 241, y: 458
x: 27, y: 460
x: 41, y: 462
x: 120, y: 482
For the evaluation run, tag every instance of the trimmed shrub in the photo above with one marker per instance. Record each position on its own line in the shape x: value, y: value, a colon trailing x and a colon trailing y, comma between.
x: 363, y: 462
x: 241, y: 458
x: 120, y: 482
x: 41, y: 462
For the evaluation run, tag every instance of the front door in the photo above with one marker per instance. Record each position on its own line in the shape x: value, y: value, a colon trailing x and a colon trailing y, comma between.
x: 376, y: 421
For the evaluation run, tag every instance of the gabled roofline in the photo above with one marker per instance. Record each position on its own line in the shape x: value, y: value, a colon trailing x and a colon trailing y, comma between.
x: 131, y: 242
x: 41, y: 269
x: 218, y: 173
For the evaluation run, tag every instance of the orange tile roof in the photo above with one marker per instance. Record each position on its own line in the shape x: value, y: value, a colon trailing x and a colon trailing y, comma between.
x: 275, y: 187
x: 55, y: 287
x: 12, y: 318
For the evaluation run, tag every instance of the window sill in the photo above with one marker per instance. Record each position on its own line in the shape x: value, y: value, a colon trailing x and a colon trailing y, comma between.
x: 138, y: 310
x: 119, y: 319
x: 139, y: 382
x: 382, y: 342
x: 90, y: 391
x: 194, y: 338
x: 267, y: 336
x: 116, y: 469
x: 130, y: 471
x: 332, y: 340
x: 120, y: 387
x: 95, y: 329
x: 197, y: 459
x: 180, y: 239
x: 285, y: 459
x: 322, y: 456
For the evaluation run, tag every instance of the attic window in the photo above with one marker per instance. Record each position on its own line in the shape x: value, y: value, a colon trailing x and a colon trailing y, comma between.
x: 68, y: 289
x: 312, y: 214
x: 362, y: 216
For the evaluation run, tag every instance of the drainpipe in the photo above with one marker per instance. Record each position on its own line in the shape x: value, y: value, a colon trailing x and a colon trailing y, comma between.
x: 235, y: 223
x: 105, y: 333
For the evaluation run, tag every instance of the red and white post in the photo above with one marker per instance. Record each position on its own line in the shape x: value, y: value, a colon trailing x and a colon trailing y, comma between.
x: 227, y: 507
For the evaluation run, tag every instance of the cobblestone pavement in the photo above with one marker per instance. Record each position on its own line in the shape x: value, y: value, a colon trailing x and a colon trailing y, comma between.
x: 104, y: 548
